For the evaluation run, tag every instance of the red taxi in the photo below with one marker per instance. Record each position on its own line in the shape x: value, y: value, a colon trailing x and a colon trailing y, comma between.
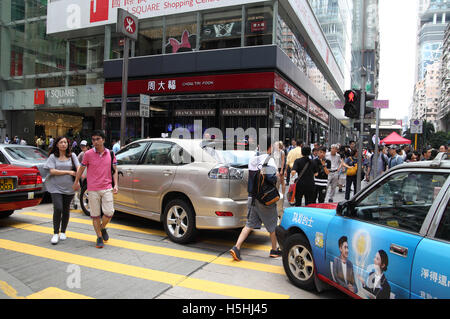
x: 20, y: 187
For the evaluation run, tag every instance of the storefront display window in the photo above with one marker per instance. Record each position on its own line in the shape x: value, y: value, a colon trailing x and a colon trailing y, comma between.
x: 221, y: 29
x: 56, y: 124
x: 150, y: 37
x: 181, y: 33
x: 259, y: 22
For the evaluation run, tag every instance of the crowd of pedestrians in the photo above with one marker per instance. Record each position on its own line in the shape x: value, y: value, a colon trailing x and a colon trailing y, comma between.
x: 317, y: 171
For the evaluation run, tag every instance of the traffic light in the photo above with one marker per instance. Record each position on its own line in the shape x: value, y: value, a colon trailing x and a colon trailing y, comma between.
x: 352, y: 103
x: 369, y: 111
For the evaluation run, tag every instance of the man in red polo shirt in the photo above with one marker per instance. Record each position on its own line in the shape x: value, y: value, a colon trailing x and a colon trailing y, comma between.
x: 99, y: 184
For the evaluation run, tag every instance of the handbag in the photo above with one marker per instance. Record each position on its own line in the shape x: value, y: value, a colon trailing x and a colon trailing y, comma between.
x: 352, y: 170
x: 73, y: 167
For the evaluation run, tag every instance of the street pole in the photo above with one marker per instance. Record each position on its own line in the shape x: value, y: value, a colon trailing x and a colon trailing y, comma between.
x: 377, y: 134
x: 123, y: 115
x: 415, y: 143
x: 363, y: 98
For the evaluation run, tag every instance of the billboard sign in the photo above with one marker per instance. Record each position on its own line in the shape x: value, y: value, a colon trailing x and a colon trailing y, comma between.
x: 68, y: 15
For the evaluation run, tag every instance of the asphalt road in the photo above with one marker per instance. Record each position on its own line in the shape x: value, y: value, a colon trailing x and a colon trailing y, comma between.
x: 138, y: 262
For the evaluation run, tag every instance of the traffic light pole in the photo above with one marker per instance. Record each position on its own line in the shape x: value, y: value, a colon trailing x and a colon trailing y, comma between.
x: 363, y: 96
x: 361, y: 131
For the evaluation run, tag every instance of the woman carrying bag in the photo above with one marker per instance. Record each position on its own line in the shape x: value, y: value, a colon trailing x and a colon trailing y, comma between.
x: 305, y: 183
x: 351, y: 163
x: 63, y: 165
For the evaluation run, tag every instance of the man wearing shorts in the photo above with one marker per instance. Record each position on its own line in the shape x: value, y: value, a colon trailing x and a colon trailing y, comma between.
x: 99, y: 184
x: 258, y: 213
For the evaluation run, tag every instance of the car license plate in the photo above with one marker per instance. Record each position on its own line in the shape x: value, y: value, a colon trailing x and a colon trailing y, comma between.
x: 6, y: 184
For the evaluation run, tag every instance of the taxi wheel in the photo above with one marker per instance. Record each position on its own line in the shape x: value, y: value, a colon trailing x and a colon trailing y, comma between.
x: 6, y: 214
x: 298, y: 262
x: 179, y: 221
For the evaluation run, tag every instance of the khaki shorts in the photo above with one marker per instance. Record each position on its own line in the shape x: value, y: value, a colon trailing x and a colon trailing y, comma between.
x: 101, y: 199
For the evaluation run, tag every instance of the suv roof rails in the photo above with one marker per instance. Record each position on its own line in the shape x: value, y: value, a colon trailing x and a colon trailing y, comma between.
x: 438, y: 159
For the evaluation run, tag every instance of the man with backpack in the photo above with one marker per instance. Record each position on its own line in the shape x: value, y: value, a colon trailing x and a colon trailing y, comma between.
x: 262, y: 201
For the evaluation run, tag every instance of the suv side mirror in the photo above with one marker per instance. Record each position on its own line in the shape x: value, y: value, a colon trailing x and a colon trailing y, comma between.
x: 346, y: 209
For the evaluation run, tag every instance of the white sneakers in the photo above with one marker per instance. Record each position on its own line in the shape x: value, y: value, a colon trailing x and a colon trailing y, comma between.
x: 57, y: 237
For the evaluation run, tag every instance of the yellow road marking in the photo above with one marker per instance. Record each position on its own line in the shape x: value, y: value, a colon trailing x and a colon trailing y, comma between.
x: 9, y: 290
x: 48, y: 293
x: 152, y: 232
x: 110, y: 225
x: 56, y: 293
x: 208, y: 258
x: 140, y: 272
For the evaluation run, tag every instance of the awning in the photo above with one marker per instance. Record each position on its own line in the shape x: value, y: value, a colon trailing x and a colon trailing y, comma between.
x: 394, y: 138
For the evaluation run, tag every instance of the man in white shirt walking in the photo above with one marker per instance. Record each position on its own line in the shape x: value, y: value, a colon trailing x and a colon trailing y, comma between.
x: 333, y: 176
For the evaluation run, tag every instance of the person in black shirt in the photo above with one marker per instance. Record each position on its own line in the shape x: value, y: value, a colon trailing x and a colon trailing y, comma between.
x: 305, y: 183
x: 321, y: 170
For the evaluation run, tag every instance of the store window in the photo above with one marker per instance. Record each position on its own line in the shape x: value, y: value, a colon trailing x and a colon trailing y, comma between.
x: 258, y: 29
x: 181, y: 33
x: 222, y: 29
x: 150, y: 37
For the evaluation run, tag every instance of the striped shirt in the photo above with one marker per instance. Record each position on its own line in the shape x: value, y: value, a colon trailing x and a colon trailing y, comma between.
x: 322, y: 178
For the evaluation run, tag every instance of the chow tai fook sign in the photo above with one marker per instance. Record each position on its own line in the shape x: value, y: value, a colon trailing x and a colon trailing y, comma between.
x: 67, y: 15
x: 262, y: 81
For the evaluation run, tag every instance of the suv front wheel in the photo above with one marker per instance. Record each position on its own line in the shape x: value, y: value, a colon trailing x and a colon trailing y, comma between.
x: 179, y: 221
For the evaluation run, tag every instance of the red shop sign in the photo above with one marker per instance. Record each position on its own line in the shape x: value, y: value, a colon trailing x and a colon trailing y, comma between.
x: 286, y: 89
x: 205, y: 83
x: 318, y: 112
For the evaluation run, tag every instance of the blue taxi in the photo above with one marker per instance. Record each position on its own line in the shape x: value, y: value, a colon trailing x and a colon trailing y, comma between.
x: 392, y: 240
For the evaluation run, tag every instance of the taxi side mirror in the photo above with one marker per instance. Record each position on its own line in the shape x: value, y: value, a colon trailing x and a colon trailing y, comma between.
x: 345, y: 209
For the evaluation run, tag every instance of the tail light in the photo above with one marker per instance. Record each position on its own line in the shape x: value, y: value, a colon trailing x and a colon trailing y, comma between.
x: 29, y: 181
x: 224, y: 214
x: 226, y: 172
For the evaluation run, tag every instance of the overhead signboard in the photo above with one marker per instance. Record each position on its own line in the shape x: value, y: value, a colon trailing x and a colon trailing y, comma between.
x: 68, y: 15
x: 381, y: 104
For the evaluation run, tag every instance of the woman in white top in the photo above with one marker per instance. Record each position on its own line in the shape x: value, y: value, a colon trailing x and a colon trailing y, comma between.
x: 63, y: 165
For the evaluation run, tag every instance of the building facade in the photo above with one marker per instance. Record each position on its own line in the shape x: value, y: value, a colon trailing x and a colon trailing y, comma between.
x: 59, y: 67
x: 432, y: 23
x: 443, y: 123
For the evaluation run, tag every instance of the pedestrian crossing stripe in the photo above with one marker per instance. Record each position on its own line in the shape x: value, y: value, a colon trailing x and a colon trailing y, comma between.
x: 56, y: 293
x: 208, y: 258
x: 48, y: 293
x: 140, y: 272
x: 152, y: 232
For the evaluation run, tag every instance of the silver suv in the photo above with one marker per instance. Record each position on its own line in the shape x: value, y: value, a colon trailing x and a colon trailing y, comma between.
x: 185, y: 184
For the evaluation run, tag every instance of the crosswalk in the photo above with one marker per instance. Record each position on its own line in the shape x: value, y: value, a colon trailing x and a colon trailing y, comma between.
x: 148, y: 261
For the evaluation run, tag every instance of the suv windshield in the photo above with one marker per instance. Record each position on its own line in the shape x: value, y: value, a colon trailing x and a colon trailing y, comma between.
x: 28, y: 154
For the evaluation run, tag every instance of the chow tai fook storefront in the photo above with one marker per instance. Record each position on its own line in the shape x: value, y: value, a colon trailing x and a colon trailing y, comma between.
x: 259, y: 100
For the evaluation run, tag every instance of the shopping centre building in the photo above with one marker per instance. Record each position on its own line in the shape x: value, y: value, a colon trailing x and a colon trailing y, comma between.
x: 231, y: 64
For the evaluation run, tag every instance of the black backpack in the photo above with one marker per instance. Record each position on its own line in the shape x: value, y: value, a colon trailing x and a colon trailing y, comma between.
x: 265, y: 189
